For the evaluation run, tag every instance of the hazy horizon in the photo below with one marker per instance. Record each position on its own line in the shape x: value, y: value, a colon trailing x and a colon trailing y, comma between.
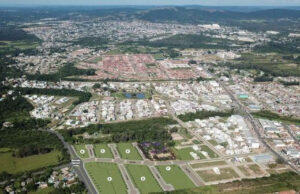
x: 150, y: 3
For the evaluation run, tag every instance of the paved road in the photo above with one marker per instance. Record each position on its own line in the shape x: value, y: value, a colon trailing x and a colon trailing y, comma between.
x: 257, y: 128
x: 80, y: 170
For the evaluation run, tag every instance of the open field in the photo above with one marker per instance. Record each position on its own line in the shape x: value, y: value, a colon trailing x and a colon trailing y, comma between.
x: 208, y: 164
x: 14, y: 165
x: 106, y: 177
x: 102, y: 151
x: 22, y: 45
x: 211, y: 153
x: 175, y: 176
x: 184, y: 154
x: 143, y: 178
x: 210, y: 175
x: 127, y: 151
x: 256, y: 169
x: 272, y: 184
x: 244, y: 170
x: 81, y: 151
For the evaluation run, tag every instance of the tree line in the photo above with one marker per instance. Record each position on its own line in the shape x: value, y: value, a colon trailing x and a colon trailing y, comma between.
x: 203, y: 115
x: 82, y: 96
x: 153, y: 129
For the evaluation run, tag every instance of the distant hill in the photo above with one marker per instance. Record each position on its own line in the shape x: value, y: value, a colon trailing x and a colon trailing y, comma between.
x: 202, y: 14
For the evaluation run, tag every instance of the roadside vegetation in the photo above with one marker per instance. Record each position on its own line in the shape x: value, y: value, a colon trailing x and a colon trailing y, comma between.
x: 273, y: 116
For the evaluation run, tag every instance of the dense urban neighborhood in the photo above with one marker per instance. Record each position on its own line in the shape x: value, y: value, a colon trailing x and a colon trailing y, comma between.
x: 149, y: 100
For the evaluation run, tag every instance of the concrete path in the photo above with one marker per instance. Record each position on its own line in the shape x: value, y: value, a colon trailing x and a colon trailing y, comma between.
x: 126, y: 177
x: 114, y: 150
x: 192, y: 175
x: 161, y: 181
x: 90, y: 149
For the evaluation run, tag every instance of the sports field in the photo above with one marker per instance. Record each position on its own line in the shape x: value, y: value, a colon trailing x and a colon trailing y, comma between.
x: 81, y: 151
x: 173, y: 175
x: 14, y: 165
x: 143, y: 178
x: 127, y: 151
x: 102, y: 151
x: 106, y: 177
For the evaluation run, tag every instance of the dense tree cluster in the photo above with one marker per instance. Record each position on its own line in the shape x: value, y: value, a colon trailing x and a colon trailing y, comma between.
x: 67, y: 70
x: 12, y: 106
x: 203, y: 115
x: 186, y: 41
x: 274, y: 116
x: 144, y: 130
x: 82, y: 96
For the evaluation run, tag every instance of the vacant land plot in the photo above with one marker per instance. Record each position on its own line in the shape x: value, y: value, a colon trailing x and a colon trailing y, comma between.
x: 143, y: 178
x: 184, y: 154
x: 175, y: 176
x: 106, y: 177
x: 14, y: 165
x: 127, y: 151
x: 256, y: 169
x: 210, y: 153
x: 208, y: 164
x: 244, y: 170
x: 81, y: 151
x: 210, y: 175
x: 102, y: 151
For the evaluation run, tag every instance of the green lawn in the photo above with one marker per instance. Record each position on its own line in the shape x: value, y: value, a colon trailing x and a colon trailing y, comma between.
x: 101, y: 173
x: 132, y: 153
x: 210, y: 175
x: 14, y: 165
x: 184, y: 154
x: 137, y: 173
x: 102, y: 151
x: 173, y: 175
x: 82, y: 148
x: 211, y: 153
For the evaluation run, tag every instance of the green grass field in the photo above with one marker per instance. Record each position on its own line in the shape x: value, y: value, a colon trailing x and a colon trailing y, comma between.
x: 211, y: 153
x: 131, y: 155
x: 208, y: 164
x: 137, y: 173
x: 14, y: 165
x: 184, y: 154
x: 79, y: 148
x: 210, y: 175
x: 175, y: 176
x: 102, y: 151
x: 101, y: 173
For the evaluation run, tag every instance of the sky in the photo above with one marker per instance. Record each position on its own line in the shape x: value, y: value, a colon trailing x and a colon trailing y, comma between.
x: 155, y: 2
